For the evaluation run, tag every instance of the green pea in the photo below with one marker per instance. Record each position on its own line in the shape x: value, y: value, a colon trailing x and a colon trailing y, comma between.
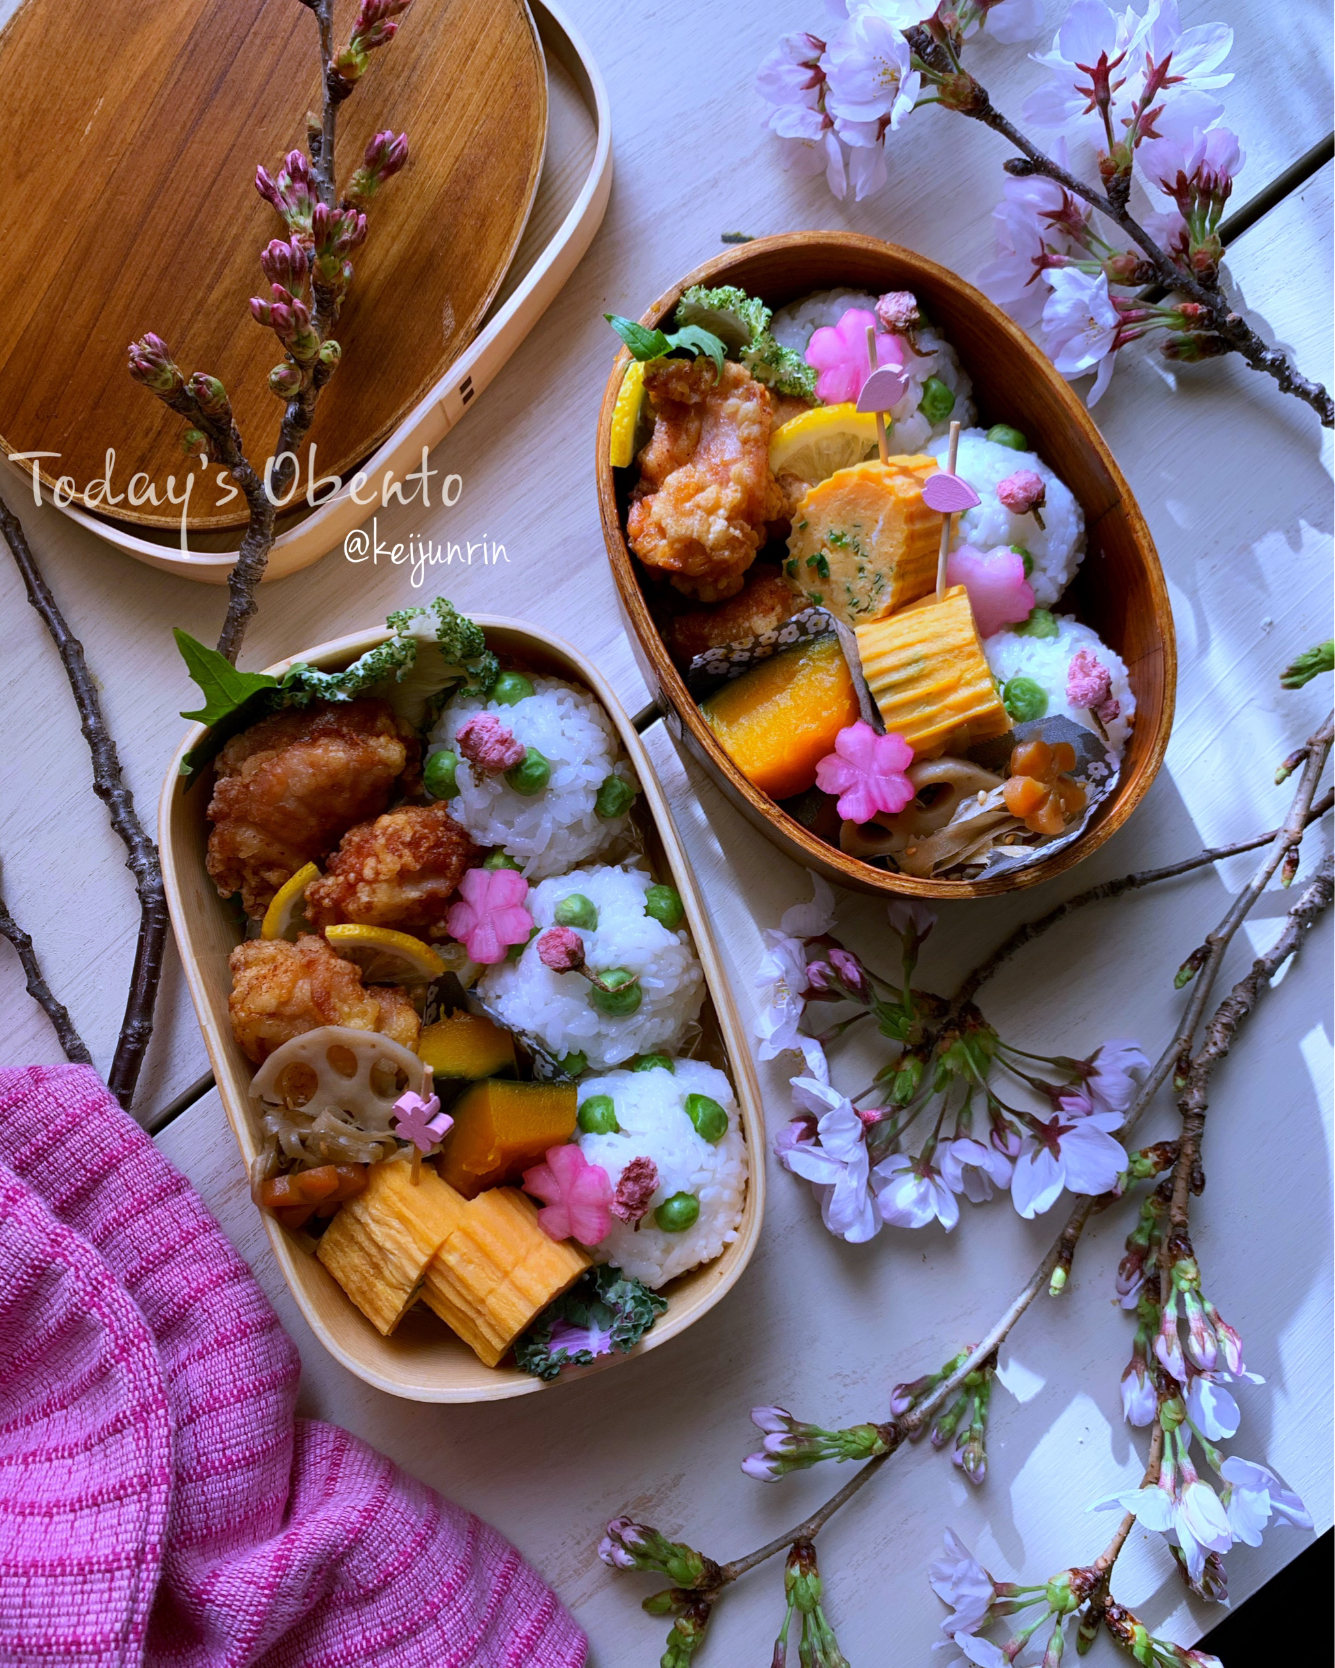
x: 937, y: 401
x: 1039, y: 624
x: 576, y: 911
x: 510, y: 688
x: 499, y: 860
x: 1025, y: 557
x: 438, y: 774
x: 651, y: 1062
x: 615, y: 798
x: 574, y: 1064
x: 517, y: 950
x: 1024, y: 699
x: 598, y: 1116
x: 531, y: 775
x: 621, y: 996
x: 709, y: 1118
x: 678, y: 1213
x: 663, y: 904
x: 1002, y: 434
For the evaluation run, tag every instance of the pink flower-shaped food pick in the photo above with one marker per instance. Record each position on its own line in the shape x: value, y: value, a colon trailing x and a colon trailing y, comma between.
x: 421, y: 1121
x: 1023, y: 491
x: 490, y: 916
x: 839, y: 353
x: 999, y: 593
x: 577, y: 1196
x: 866, y: 770
x: 485, y: 742
x: 883, y: 389
x: 949, y: 494
x: 1089, y: 685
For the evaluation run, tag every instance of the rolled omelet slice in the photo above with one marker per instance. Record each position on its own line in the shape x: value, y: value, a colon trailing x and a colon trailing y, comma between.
x: 928, y: 676
x: 863, y: 542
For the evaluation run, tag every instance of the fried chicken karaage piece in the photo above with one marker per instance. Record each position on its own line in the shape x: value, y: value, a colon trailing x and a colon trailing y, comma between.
x: 402, y: 870
x: 705, y: 490
x: 764, y: 602
x: 280, y: 990
x: 287, y: 787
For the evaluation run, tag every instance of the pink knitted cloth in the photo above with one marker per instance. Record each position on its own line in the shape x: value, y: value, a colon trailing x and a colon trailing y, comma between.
x: 159, y: 1502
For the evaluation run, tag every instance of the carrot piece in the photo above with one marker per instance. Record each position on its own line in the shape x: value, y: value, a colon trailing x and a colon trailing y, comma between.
x: 1023, y: 795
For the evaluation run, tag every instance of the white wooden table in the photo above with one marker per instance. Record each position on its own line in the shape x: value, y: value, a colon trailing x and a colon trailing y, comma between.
x: 1234, y: 479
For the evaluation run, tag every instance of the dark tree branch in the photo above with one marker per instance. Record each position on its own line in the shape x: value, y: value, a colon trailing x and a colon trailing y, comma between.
x: 110, y: 787
x: 56, y: 1011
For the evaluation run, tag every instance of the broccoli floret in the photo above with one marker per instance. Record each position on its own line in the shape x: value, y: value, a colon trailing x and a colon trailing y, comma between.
x: 781, y: 368
x: 736, y: 318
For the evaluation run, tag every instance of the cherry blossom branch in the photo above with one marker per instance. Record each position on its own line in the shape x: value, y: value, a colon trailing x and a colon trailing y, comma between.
x: 110, y: 787
x: 70, y: 1041
x: 962, y: 92
x: 320, y: 229
x: 1030, y: 930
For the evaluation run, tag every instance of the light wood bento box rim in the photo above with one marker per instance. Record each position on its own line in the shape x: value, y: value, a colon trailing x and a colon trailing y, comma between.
x: 306, y: 1278
x: 681, y: 709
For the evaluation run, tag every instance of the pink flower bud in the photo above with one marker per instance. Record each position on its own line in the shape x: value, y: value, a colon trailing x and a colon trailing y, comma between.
x: 151, y: 364
x: 561, y: 949
x: 485, y: 742
x: 897, y: 311
x: 1089, y: 685
x: 637, y: 1183
x: 1023, y: 491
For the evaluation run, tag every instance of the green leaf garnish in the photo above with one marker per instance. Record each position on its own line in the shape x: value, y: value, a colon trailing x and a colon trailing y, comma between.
x: 653, y: 344
x: 222, y: 686
x: 701, y: 341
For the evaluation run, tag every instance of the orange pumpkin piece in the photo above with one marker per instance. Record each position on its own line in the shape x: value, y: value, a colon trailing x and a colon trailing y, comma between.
x: 467, y: 1046
x: 779, y: 719
x: 501, y: 1128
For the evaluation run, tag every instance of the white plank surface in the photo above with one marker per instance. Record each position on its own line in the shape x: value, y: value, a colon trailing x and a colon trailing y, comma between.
x: 1235, y: 480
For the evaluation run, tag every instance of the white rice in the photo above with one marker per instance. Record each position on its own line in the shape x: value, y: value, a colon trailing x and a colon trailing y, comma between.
x: 1056, y: 549
x: 650, y: 1108
x: 795, y: 324
x: 549, y: 831
x: 1011, y: 654
x: 555, y: 1007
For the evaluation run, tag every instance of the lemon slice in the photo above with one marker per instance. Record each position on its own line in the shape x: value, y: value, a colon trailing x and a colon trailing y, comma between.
x: 386, y: 957
x: 285, y: 916
x: 626, y: 415
x: 816, y: 443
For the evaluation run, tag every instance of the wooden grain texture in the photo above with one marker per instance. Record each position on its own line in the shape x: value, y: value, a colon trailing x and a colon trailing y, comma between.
x: 137, y: 211
x: 1235, y: 483
x: 1120, y: 589
x: 423, y: 1360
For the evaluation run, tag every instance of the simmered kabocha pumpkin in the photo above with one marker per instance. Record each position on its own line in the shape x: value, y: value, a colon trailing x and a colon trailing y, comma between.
x: 927, y: 674
x: 781, y: 717
x: 464, y: 1047
x: 501, y: 1128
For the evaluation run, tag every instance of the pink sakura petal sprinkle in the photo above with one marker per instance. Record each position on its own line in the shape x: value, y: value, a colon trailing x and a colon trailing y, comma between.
x: 485, y: 742
x: 1023, y: 491
x: 999, y: 593
x: 866, y: 770
x: 635, y: 1188
x: 490, y: 915
x: 561, y: 949
x: 1089, y: 685
x: 839, y: 353
x: 577, y: 1196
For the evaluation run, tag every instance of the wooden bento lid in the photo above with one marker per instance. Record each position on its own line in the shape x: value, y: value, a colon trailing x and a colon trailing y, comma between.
x: 129, y: 138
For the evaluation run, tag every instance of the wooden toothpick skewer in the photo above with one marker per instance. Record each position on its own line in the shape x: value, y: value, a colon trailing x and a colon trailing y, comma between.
x: 944, y: 555
x: 882, y: 444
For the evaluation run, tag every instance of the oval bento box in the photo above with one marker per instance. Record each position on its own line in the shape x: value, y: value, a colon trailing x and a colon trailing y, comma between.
x: 1119, y: 589
x: 423, y: 1361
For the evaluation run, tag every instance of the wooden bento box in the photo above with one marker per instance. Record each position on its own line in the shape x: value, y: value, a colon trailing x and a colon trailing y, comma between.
x: 1119, y: 589
x: 422, y: 1360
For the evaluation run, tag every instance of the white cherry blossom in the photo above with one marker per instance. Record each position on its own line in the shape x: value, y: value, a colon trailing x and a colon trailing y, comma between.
x: 1254, y: 1495
x: 1068, y: 1150
x: 1089, y: 31
x: 959, y: 1580
x: 871, y: 78
x: 910, y: 1193
x: 836, y: 1163
x: 1081, y: 325
x: 973, y: 1168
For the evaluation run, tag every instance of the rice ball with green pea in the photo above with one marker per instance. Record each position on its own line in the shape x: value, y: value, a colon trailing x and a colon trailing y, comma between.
x: 1032, y: 668
x: 640, y: 985
x: 563, y: 801
x: 682, y: 1117
x: 1054, y: 550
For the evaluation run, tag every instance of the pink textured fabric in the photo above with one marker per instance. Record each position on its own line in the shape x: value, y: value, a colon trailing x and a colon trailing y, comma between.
x: 159, y: 1502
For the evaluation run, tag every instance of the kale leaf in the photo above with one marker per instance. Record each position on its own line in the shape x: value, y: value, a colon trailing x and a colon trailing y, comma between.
x: 603, y: 1311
